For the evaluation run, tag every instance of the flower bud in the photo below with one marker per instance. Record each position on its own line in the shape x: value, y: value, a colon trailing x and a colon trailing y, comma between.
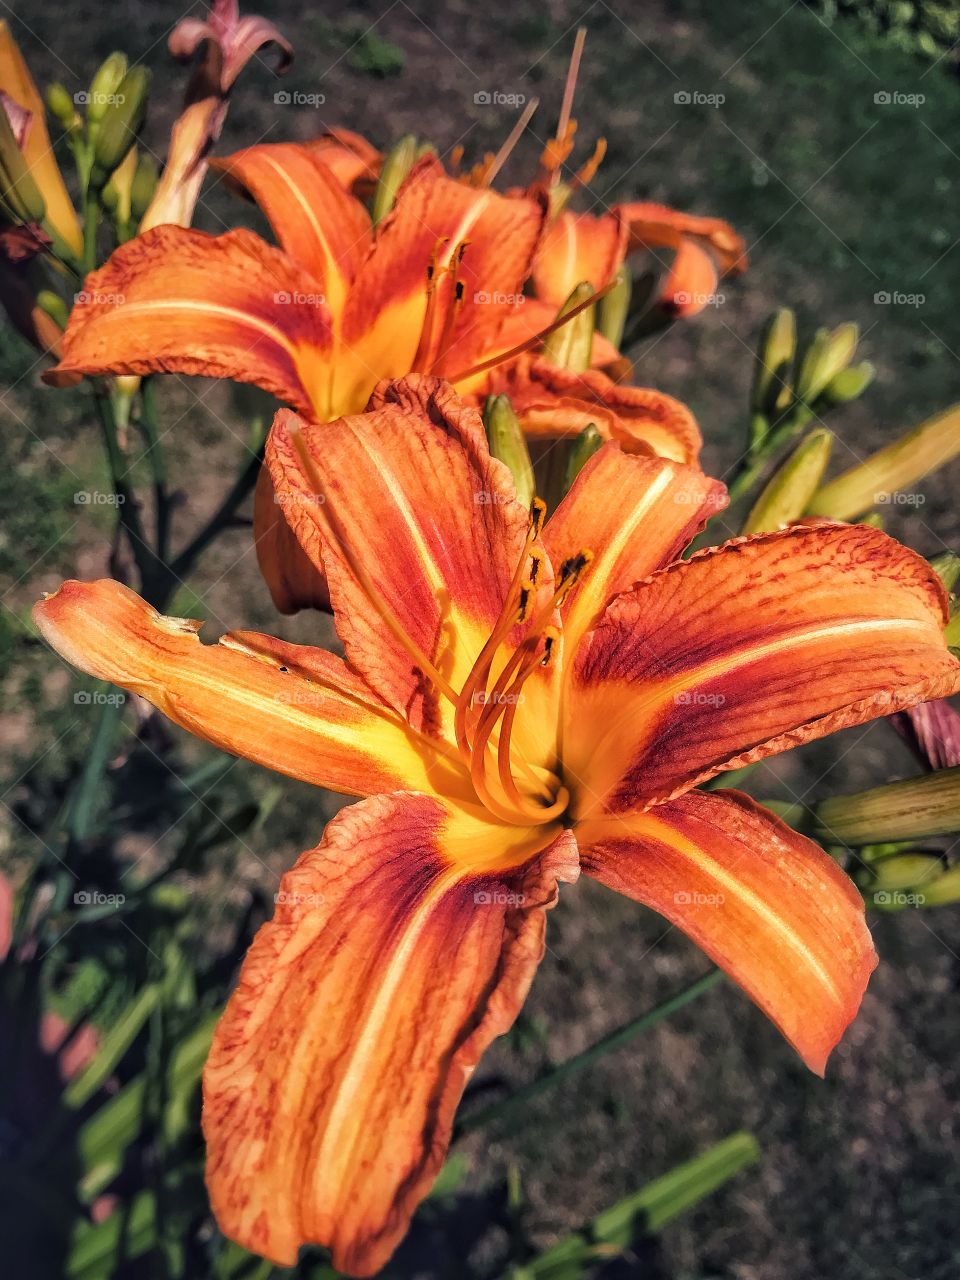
x: 572, y: 344
x: 825, y: 357
x: 581, y: 451
x: 505, y: 437
x: 942, y: 889
x: 613, y: 307
x: 790, y: 488
x: 60, y: 106
x: 119, y: 127
x: 20, y: 198
x: 105, y: 87
x: 897, y: 466
x: 848, y: 384
x: 116, y: 195
x: 911, y: 810
x: 947, y: 568
x: 143, y: 186
x: 54, y: 306
x: 397, y: 163
x: 902, y: 871
x: 775, y: 355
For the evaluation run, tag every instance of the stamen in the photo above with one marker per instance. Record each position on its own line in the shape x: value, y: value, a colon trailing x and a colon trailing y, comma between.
x: 537, y: 338
x: 446, y: 334
x: 342, y: 544
x: 513, y: 696
x: 569, y: 88
x: 507, y: 620
x: 426, y: 330
x: 500, y: 159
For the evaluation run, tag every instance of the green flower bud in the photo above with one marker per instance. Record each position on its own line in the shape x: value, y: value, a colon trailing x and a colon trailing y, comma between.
x: 826, y: 355
x: 581, y: 451
x: 911, y: 810
x: 144, y: 185
x: 119, y: 127
x: 775, y: 355
x: 105, y: 87
x: 790, y: 488
x: 54, y: 306
x: 20, y: 198
x: 894, y: 468
x: 396, y: 165
x: 613, y: 307
x: 572, y: 344
x: 505, y: 437
x: 848, y: 384
x: 61, y: 107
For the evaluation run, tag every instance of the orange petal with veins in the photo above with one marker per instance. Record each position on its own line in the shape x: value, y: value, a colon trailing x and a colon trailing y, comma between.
x: 400, y: 948
x: 766, y: 904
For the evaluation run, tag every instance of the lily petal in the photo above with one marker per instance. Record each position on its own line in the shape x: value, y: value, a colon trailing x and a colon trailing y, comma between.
x: 578, y: 247
x: 748, y: 649
x: 766, y: 904
x: 151, y: 309
x: 394, y: 958
x: 296, y: 709
x: 636, y: 515
x: 652, y: 225
x: 352, y: 160
x: 552, y: 402
x: 692, y: 281
x: 318, y: 223
x: 295, y: 582
x: 38, y: 151
x: 432, y: 217
x: 442, y: 567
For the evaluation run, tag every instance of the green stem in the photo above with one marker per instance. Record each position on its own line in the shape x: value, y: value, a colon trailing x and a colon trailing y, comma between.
x: 84, y: 798
x: 221, y: 518
x: 158, y: 469
x: 91, y: 221
x: 518, y: 1100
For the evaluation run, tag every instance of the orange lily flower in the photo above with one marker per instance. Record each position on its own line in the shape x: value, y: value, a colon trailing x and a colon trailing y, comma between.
x: 516, y: 702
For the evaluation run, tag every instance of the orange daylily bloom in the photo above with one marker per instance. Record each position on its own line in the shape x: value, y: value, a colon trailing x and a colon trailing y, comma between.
x: 435, y: 288
x: 516, y: 702
x: 586, y: 246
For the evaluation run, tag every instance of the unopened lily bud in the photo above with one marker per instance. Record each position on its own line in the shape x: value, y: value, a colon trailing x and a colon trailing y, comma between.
x: 775, y: 355
x: 613, y: 307
x: 144, y: 185
x: 505, y: 437
x: 947, y: 567
x: 60, y: 106
x: 896, y: 467
x: 848, y: 384
x: 396, y: 165
x: 584, y: 447
x: 909, y: 810
x: 116, y: 195
x: 20, y: 198
x: 119, y: 127
x: 942, y: 889
x: 54, y: 306
x: 826, y: 355
x: 105, y: 87
x: 873, y: 520
x: 572, y: 344
x: 902, y: 871
x: 790, y: 488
